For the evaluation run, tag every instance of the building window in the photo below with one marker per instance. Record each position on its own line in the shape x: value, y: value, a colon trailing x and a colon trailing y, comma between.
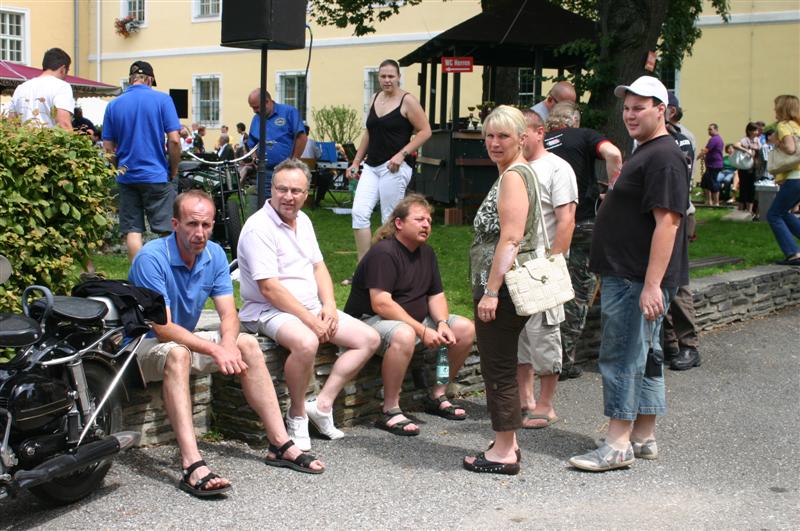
x: 12, y: 37
x: 372, y: 85
x: 292, y: 90
x: 134, y: 8
x: 525, y: 78
x: 206, y: 100
x: 207, y: 9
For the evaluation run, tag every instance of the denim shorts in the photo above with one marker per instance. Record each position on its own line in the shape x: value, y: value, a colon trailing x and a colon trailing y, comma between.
x: 631, y: 355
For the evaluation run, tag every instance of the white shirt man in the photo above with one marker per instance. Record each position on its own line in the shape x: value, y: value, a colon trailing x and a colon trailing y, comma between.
x: 288, y: 296
x: 540, y: 343
x: 47, y: 99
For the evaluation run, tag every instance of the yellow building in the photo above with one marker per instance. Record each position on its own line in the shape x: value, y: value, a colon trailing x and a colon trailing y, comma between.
x: 734, y: 73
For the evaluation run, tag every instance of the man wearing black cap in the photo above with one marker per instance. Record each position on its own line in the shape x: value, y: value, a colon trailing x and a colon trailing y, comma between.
x: 133, y: 133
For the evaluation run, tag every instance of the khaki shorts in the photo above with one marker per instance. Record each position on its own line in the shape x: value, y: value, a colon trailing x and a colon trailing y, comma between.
x: 153, y: 356
x: 540, y: 342
x: 386, y: 328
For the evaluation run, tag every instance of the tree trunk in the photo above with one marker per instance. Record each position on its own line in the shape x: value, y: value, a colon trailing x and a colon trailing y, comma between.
x: 629, y: 30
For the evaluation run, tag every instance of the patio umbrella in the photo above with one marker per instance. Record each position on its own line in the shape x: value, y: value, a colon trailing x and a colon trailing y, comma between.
x: 12, y: 74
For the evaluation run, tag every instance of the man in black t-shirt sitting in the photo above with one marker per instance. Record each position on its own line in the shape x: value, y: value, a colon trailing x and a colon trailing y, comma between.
x: 639, y: 248
x: 397, y: 290
x: 581, y: 148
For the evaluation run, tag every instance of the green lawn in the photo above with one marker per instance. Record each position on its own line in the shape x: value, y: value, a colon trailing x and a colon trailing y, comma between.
x: 751, y: 241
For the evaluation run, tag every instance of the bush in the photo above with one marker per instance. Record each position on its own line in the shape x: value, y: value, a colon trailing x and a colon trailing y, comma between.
x: 337, y: 123
x: 55, y: 207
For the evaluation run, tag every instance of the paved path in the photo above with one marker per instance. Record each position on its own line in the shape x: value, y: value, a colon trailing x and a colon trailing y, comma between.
x: 729, y: 460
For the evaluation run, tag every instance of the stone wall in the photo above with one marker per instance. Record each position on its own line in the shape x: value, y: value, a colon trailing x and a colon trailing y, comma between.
x: 719, y: 300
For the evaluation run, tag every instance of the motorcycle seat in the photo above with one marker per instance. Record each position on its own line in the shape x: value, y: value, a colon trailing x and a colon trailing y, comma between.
x: 74, y: 309
x: 18, y: 330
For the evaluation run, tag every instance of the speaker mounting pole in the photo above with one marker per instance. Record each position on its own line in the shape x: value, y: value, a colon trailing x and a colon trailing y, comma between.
x: 261, y: 171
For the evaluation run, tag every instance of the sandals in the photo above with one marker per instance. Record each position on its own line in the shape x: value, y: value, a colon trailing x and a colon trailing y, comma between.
x: 398, y: 428
x: 301, y: 463
x: 197, y: 489
x: 530, y: 415
x: 433, y: 406
x: 483, y: 465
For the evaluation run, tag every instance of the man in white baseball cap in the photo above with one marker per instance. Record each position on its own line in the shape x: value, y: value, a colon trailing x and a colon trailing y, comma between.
x: 639, y: 249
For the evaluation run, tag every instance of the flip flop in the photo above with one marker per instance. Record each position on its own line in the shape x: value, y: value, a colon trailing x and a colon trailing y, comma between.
x: 527, y: 414
x: 197, y: 489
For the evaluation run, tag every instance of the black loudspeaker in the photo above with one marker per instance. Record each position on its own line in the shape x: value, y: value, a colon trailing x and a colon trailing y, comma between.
x: 275, y: 24
x: 180, y: 97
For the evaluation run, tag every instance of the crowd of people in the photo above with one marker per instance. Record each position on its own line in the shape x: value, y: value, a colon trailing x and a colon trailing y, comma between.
x: 544, y: 202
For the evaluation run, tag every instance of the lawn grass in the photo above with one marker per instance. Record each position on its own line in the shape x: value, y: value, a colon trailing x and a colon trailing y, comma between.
x: 753, y: 242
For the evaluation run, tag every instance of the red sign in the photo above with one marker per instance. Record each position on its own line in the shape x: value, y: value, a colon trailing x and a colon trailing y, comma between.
x: 650, y: 64
x: 456, y: 64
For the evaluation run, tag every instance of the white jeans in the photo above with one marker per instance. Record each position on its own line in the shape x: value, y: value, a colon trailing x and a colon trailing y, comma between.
x: 378, y: 183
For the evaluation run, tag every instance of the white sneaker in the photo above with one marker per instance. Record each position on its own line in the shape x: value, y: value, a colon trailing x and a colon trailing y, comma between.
x: 297, y: 428
x: 322, y: 421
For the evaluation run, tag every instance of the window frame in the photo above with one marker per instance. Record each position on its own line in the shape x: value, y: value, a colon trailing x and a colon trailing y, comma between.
x: 197, y: 17
x: 532, y: 92
x: 279, y: 86
x: 25, y: 38
x: 125, y: 11
x: 196, y: 99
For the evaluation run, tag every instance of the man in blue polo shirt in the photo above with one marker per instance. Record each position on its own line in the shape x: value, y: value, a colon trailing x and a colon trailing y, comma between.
x: 187, y: 269
x: 286, y: 134
x: 134, y: 126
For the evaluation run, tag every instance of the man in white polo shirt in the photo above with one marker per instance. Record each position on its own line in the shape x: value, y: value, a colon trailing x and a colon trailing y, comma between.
x: 288, y: 296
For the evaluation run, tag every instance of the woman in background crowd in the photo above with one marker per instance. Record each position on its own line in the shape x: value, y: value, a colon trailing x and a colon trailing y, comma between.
x: 783, y: 222
x: 396, y: 127
x: 747, y: 178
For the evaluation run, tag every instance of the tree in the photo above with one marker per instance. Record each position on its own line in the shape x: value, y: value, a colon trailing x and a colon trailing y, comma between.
x: 628, y: 30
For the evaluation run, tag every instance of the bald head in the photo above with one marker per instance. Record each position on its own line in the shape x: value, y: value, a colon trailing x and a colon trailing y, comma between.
x: 562, y: 91
x: 253, y: 100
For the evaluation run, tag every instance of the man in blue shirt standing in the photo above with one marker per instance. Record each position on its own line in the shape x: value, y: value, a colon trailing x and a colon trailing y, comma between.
x: 186, y: 268
x: 133, y: 133
x: 286, y: 134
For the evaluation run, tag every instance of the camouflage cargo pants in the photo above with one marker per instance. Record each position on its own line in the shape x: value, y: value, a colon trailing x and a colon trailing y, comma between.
x: 584, y: 283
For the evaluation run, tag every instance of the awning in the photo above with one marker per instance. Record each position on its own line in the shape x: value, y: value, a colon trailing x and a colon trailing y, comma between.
x: 510, y: 34
x: 12, y: 74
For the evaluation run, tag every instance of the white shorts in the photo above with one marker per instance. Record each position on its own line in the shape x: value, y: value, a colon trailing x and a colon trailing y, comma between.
x: 272, y: 320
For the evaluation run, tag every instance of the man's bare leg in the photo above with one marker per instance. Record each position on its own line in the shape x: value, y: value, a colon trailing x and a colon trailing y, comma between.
x: 178, y: 403
x: 133, y: 241
x: 260, y: 394
x: 464, y: 330
x: 362, y: 341
x: 393, y: 370
x: 363, y: 240
x: 302, y: 345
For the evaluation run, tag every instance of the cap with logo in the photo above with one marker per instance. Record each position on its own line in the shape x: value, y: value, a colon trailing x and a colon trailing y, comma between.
x: 143, y: 67
x: 645, y: 86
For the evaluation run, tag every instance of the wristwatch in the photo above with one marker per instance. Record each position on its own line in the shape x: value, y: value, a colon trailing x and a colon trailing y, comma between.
x: 440, y: 321
x: 490, y: 293
x: 405, y: 153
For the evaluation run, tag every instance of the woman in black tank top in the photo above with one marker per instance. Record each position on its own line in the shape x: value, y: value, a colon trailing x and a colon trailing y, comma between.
x: 396, y: 127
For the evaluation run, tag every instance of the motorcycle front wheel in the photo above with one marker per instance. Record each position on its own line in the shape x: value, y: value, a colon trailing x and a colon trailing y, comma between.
x: 71, y: 488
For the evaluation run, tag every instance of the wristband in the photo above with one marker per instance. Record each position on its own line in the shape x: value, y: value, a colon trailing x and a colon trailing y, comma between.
x: 490, y: 293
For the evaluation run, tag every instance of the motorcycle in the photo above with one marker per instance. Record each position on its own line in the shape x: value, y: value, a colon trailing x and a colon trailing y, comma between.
x: 61, y: 392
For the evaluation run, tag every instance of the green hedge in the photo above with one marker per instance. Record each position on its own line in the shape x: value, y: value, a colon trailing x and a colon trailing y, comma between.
x: 55, y: 206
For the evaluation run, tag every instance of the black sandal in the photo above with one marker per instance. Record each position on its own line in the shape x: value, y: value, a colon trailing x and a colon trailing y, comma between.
x: 517, y: 452
x: 481, y: 464
x: 433, y: 406
x: 197, y: 489
x: 397, y: 428
x: 301, y: 463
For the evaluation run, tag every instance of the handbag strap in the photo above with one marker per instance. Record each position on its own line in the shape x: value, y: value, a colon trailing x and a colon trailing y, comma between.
x: 538, y: 189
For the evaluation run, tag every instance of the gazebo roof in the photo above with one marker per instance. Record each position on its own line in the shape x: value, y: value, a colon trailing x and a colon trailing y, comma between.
x: 13, y: 74
x: 509, y: 34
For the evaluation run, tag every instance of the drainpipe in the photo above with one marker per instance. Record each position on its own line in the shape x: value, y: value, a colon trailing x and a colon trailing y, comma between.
x: 98, y: 45
x: 75, y: 39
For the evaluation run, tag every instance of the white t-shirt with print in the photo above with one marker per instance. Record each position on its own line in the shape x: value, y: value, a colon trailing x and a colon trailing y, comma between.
x: 38, y: 98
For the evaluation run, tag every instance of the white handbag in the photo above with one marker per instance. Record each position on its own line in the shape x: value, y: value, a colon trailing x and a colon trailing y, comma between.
x: 541, y: 283
x: 741, y: 160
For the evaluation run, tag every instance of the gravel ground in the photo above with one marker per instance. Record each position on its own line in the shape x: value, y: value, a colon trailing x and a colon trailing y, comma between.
x: 728, y: 460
